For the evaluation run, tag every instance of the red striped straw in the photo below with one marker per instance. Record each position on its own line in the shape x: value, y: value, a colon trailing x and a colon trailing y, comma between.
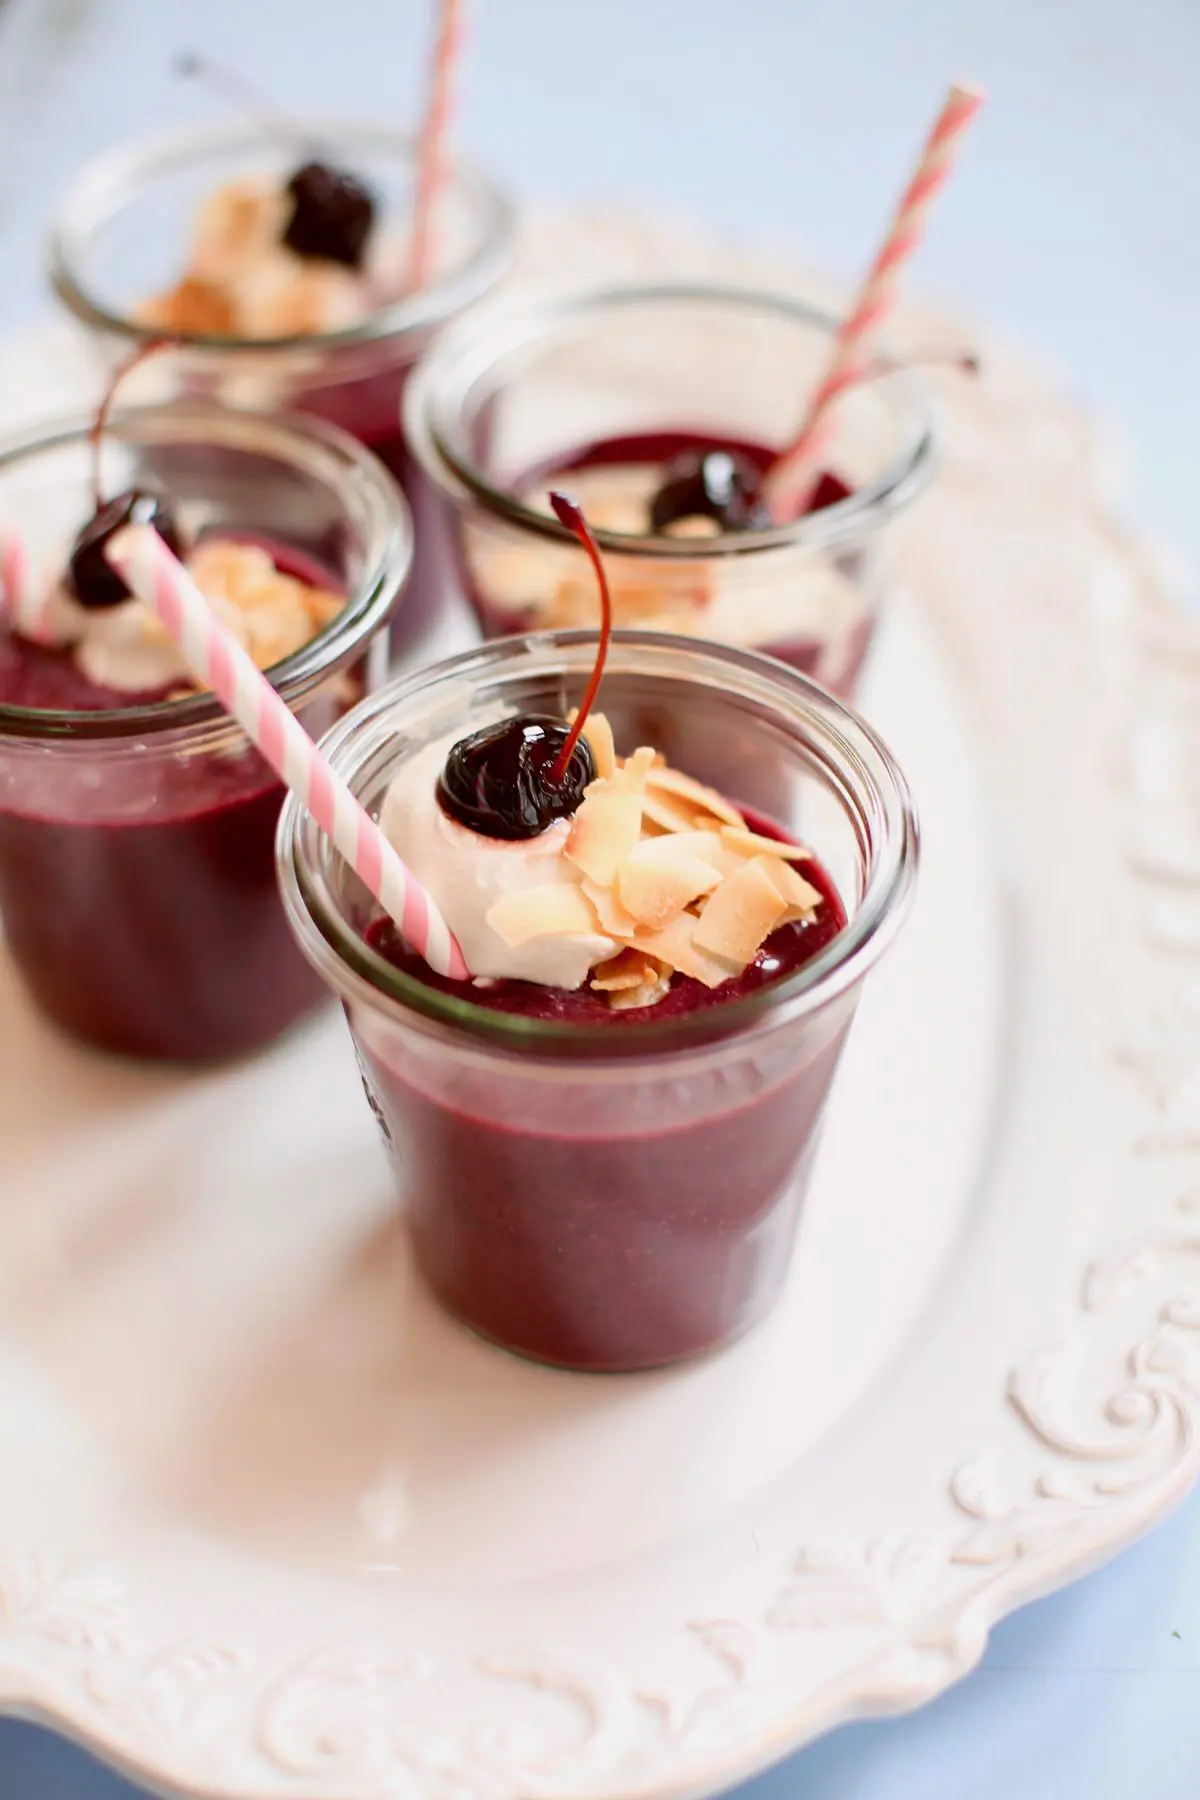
x: 216, y: 658
x: 792, y: 476
x: 432, y: 162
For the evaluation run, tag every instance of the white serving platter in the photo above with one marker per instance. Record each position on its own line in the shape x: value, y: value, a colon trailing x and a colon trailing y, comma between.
x: 271, y: 1526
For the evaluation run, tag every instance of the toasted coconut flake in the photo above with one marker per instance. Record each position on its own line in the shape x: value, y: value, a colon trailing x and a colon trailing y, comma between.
x: 324, y: 606
x: 801, y: 897
x: 283, y: 297
x: 572, y: 598
x: 639, y: 599
x: 642, y: 760
x: 634, y: 769
x: 233, y: 571
x: 517, y: 577
x: 558, y: 909
x: 705, y: 842
x: 604, y: 830
x: 649, y: 994
x: 680, y: 787
x: 192, y: 307
x: 615, y: 922
x: 676, y: 948
x: 672, y: 815
x: 236, y: 226
x: 740, y: 915
x: 152, y: 630
x: 627, y: 969
x: 278, y: 626
x: 661, y: 877
x: 598, y: 733
x: 277, y: 614
x: 752, y: 843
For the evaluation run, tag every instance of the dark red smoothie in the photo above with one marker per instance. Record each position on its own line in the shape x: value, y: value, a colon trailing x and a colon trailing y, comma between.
x: 655, y: 451
x: 369, y: 409
x: 137, y: 885
x: 587, y: 1243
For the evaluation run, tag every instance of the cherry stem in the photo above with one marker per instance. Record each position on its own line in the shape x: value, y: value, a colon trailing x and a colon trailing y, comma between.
x: 570, y: 514
x: 151, y: 347
x: 241, y: 95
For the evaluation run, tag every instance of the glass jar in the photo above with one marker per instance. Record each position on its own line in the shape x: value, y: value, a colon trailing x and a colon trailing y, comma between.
x: 624, y: 1195
x: 137, y: 885
x: 123, y: 234
x: 607, y: 385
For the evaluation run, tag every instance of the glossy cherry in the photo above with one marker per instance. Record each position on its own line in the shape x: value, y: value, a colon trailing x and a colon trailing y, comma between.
x: 712, y: 484
x: 516, y: 777
x: 332, y: 215
x: 93, y: 580
x: 333, y: 212
x: 502, y: 781
x: 728, y: 488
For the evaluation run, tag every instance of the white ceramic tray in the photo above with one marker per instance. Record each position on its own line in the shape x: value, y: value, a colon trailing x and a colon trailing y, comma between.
x: 271, y: 1526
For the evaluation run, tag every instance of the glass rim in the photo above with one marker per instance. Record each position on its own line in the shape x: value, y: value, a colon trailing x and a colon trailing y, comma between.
x: 466, y: 350
x: 109, y: 182
x: 387, y: 558
x: 852, y: 749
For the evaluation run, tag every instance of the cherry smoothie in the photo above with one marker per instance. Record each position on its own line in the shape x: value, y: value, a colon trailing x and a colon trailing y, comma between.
x: 606, y: 1172
x: 136, y: 824
x: 638, y: 395
x: 176, y: 887
x: 642, y: 466
x: 686, y: 1224
x: 314, y: 315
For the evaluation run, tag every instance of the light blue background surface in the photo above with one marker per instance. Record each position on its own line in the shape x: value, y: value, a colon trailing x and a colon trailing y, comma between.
x: 1075, y: 222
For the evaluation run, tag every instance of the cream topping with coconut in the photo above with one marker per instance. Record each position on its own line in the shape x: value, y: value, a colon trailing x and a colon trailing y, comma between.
x: 242, y: 280
x: 548, y: 585
x: 654, y: 875
x: 126, y: 648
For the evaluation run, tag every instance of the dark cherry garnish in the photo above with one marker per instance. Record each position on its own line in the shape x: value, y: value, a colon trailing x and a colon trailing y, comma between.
x: 332, y: 215
x: 92, y: 579
x: 731, y: 489
x: 502, y: 781
x: 515, y: 778
x: 711, y: 484
x: 332, y: 211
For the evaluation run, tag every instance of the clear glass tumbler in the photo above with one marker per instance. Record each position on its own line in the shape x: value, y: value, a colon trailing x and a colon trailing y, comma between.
x: 626, y: 1195
x: 123, y: 234
x: 137, y: 886
x: 603, y: 383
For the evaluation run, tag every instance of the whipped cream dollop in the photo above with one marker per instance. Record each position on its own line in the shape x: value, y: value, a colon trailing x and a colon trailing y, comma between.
x: 465, y: 874
x: 118, y: 647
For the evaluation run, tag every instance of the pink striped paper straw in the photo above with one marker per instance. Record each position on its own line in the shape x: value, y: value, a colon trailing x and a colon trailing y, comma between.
x: 431, y: 152
x: 14, y: 574
x: 24, y: 607
x: 216, y: 658
x: 790, y: 479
